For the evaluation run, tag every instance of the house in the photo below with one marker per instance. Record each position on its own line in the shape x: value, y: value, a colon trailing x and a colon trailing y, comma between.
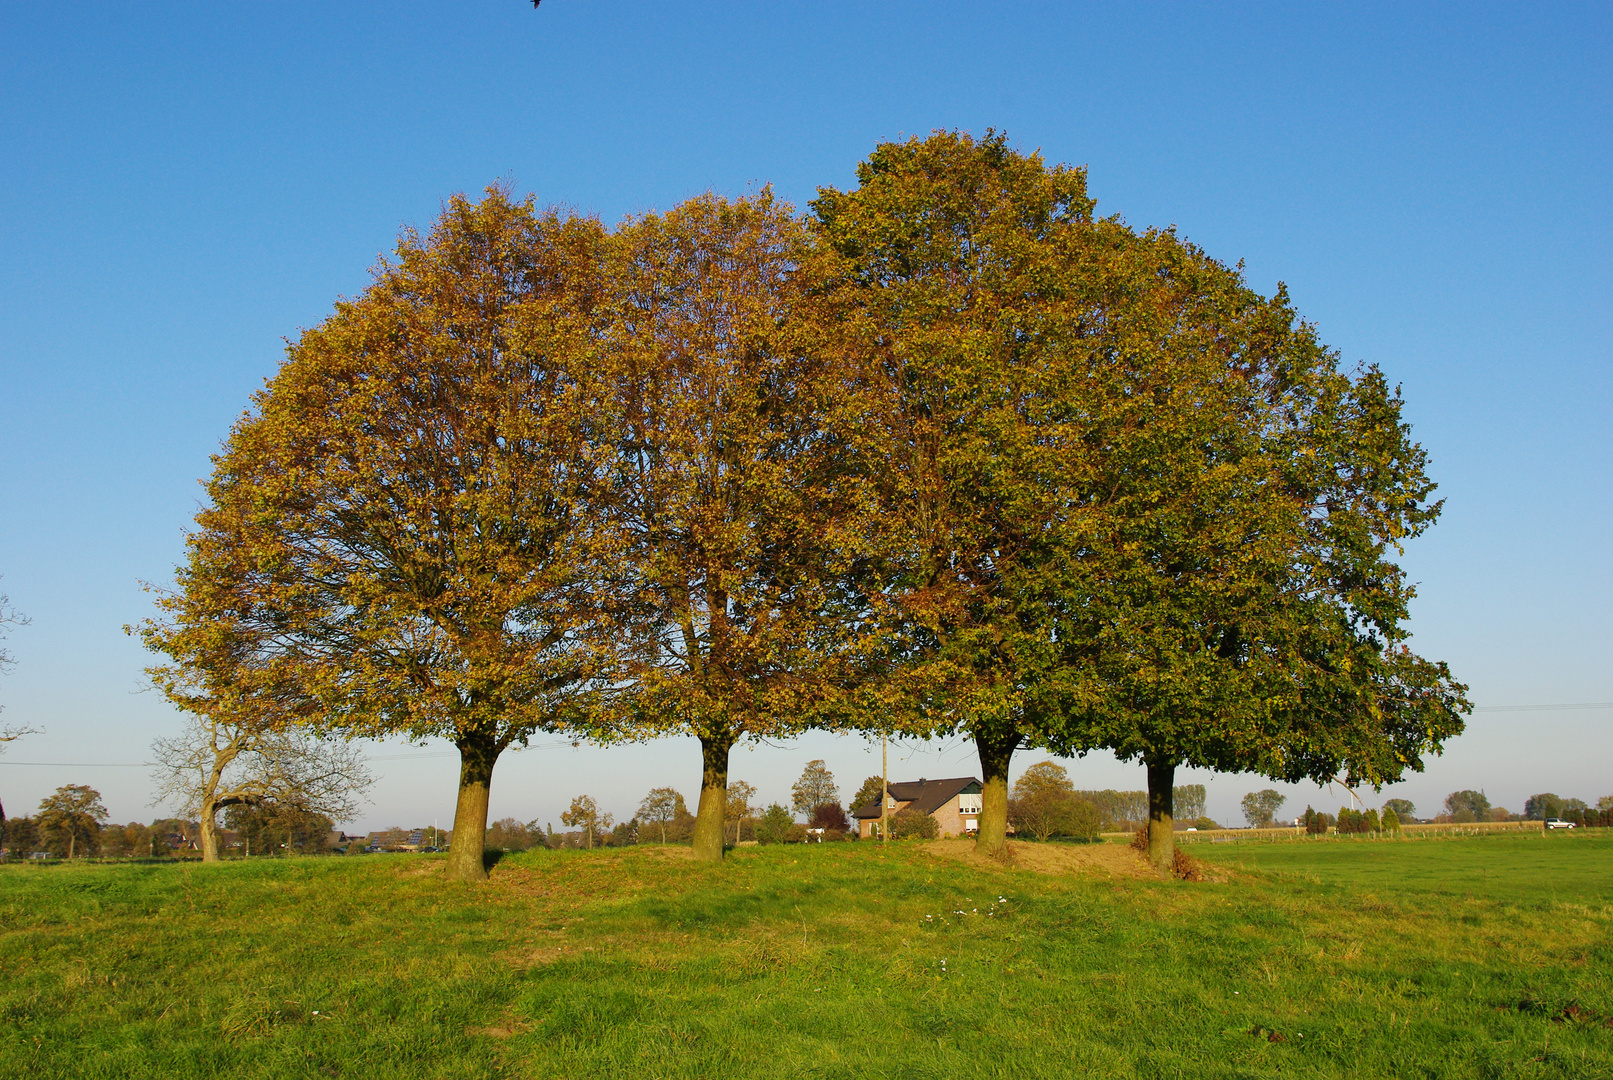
x: 953, y: 803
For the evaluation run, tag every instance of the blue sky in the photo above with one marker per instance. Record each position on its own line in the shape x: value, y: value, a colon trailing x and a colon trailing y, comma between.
x: 185, y: 185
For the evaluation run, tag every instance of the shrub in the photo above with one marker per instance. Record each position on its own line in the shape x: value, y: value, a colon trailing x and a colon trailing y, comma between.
x: 909, y: 824
x: 1352, y: 821
x: 830, y: 816
x: 795, y: 834
x: 1391, y: 822
x: 1372, y: 822
x: 1315, y: 822
x: 774, y: 825
x: 1139, y: 839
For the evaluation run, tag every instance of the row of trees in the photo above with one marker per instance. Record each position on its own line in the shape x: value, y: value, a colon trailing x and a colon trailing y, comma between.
x: 950, y: 454
x: 71, y: 823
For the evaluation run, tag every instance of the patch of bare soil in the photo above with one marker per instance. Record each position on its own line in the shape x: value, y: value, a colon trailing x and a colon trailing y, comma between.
x: 1103, y: 860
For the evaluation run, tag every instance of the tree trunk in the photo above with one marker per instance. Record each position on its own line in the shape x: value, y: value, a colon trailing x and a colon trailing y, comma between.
x: 995, y: 754
x: 208, y: 828
x: 1161, y: 833
x: 468, y: 842
x: 708, y: 824
x: 72, y: 840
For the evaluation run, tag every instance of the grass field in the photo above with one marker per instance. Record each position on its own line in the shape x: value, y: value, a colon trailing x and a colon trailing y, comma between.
x: 1478, y: 957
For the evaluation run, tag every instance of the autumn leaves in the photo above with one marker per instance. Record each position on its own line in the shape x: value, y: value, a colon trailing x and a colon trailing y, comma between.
x: 948, y: 454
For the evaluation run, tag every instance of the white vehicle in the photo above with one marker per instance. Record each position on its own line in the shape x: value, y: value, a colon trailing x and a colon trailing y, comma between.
x: 1558, y: 823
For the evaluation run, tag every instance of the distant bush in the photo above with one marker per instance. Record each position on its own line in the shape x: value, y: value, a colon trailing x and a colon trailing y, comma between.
x: 1391, y: 821
x: 1351, y: 821
x: 909, y: 824
x: 1373, y: 824
x: 774, y: 825
x: 795, y: 834
x: 1315, y: 822
x: 830, y: 816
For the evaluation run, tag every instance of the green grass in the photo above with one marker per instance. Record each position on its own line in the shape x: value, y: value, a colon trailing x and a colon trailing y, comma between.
x: 1437, y: 958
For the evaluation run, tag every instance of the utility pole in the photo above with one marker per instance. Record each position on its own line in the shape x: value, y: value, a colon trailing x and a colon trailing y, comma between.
x: 884, y: 789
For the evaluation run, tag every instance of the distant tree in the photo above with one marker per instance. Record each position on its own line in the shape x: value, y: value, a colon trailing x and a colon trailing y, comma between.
x: 659, y: 807
x: 1188, y: 801
x: 1315, y: 822
x: 1043, y: 778
x: 815, y: 788
x: 513, y: 835
x: 70, y: 820
x: 231, y: 754
x: 21, y: 836
x: 774, y: 825
x: 829, y: 816
x: 1466, y: 806
x: 1391, y: 820
x: 585, y: 814
x: 737, y: 806
x: 267, y: 827
x: 1605, y: 802
x: 1084, y: 821
x: 1260, y: 807
x: 1042, y: 800
x: 625, y: 834
x: 1542, y: 806
x: 1119, y: 808
x: 1570, y: 805
x: 869, y: 793
x: 1405, y: 813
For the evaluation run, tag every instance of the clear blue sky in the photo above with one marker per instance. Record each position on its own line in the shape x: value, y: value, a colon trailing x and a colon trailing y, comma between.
x: 185, y: 185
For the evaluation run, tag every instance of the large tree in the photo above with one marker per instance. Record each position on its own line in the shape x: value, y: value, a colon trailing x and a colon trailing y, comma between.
x: 400, y: 534
x: 737, y: 475
x: 964, y: 277
x: 1144, y: 509
x: 1232, y: 602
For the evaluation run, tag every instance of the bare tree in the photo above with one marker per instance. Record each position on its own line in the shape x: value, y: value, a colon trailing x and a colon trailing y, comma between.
x: 221, y: 760
x: 660, y: 806
x: 585, y: 814
x: 9, y: 616
x: 738, y: 807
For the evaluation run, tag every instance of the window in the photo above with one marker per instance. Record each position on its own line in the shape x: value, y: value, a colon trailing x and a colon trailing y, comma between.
x: 969, y: 804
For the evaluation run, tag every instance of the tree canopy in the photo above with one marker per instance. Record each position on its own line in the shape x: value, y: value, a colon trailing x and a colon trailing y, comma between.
x: 400, y: 539
x: 736, y: 476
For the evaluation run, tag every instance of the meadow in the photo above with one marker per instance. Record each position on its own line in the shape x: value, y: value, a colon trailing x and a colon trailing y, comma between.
x: 1447, y: 957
